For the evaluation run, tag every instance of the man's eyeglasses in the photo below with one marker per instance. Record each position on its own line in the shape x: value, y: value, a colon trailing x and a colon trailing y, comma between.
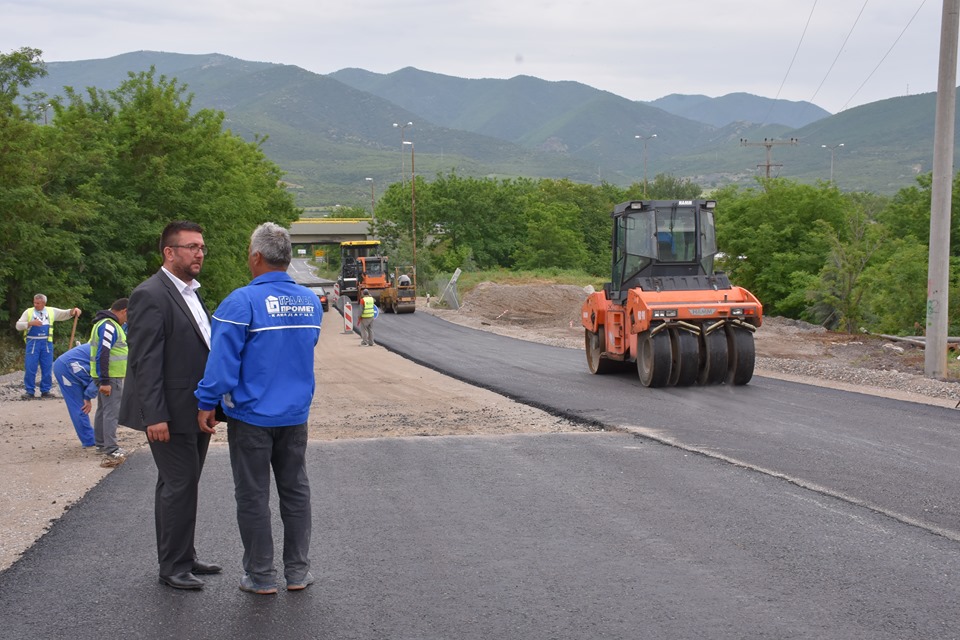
x: 192, y: 248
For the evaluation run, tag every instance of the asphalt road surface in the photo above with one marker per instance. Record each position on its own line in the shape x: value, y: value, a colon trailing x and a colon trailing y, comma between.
x: 775, y: 510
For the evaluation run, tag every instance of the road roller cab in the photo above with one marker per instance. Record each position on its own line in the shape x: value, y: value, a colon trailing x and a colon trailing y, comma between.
x: 665, y: 308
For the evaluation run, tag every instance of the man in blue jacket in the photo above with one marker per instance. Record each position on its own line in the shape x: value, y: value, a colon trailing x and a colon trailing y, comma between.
x: 72, y: 370
x: 260, y: 370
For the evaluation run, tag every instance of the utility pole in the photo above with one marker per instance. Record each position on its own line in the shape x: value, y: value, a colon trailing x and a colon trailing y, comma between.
x: 769, y: 143
x: 938, y: 267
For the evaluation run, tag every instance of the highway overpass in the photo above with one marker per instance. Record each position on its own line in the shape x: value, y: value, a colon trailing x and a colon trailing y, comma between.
x: 329, y: 230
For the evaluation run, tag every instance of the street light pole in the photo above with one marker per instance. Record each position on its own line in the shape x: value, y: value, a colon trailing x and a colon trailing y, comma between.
x: 413, y: 208
x: 833, y: 148
x: 644, y: 140
x: 402, y: 127
x: 373, y: 200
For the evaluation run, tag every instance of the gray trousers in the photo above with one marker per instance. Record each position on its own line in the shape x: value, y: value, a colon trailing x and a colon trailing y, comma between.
x: 366, y: 331
x: 253, y: 452
x: 108, y: 412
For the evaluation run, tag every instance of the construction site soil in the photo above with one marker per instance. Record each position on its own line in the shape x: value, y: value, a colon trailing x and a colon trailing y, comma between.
x: 46, y: 471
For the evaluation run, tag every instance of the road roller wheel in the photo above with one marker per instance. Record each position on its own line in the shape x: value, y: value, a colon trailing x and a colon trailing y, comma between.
x: 741, y: 355
x: 713, y: 357
x: 654, y: 358
x: 685, y: 357
x: 595, y: 344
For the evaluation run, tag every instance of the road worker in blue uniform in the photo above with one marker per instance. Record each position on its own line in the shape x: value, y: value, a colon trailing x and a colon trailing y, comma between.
x: 72, y: 370
x: 260, y: 371
x: 36, y: 323
x: 108, y: 366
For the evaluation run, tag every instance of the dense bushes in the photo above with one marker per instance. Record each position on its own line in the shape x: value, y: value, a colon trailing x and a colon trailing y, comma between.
x: 847, y: 260
x: 84, y: 197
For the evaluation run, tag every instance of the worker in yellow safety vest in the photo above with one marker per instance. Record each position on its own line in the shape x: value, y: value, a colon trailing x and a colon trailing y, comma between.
x: 108, y: 368
x: 369, y: 306
x: 36, y: 323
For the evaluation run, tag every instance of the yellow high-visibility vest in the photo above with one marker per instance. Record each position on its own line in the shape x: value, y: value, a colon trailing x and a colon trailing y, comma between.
x: 30, y: 313
x: 118, y: 353
x: 368, y: 303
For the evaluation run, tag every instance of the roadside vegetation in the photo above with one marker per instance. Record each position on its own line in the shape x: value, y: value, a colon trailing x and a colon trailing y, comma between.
x: 88, y: 182
x: 849, y: 261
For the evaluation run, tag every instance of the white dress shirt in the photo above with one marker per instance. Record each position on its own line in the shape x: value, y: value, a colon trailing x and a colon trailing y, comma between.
x: 189, y: 293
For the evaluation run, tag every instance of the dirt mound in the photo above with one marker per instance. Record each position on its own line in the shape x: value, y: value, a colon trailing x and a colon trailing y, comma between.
x: 526, y: 306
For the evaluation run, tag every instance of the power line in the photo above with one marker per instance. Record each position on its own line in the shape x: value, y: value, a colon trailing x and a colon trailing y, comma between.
x: 792, y: 60
x: 907, y: 26
x: 809, y: 102
x: 840, y: 51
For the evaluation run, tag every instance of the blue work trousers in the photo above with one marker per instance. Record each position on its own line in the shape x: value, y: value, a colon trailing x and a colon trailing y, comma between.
x: 39, y: 353
x: 253, y: 452
x: 72, y: 389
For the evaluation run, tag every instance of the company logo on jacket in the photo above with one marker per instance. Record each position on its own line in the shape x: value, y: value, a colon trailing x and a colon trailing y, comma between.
x: 289, y: 306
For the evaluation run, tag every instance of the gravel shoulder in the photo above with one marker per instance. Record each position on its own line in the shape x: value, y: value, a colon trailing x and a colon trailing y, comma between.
x: 372, y: 393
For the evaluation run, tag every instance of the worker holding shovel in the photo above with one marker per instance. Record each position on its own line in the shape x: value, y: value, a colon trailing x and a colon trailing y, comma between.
x: 36, y: 323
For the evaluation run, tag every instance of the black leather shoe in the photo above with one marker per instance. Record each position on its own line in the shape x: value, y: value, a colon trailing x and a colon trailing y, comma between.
x: 185, y: 580
x: 204, y: 568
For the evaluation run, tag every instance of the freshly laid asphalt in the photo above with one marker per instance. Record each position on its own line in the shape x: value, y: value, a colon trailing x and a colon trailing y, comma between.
x: 769, y: 511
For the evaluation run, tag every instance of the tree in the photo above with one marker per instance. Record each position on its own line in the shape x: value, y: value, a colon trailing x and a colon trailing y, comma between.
x: 895, y: 288
x: 38, y: 251
x: 770, y: 238
x: 840, y: 288
x: 83, y: 200
x: 552, y: 238
x: 667, y: 187
x: 154, y: 160
x: 908, y: 213
x: 18, y: 69
x: 592, y: 221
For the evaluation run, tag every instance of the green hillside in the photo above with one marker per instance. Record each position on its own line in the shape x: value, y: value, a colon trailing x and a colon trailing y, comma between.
x: 330, y: 133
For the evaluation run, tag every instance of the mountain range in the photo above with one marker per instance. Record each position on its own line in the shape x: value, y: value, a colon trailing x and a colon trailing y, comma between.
x: 331, y: 132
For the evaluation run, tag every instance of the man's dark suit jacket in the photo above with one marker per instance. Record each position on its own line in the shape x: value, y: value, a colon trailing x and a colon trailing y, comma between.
x: 166, y: 359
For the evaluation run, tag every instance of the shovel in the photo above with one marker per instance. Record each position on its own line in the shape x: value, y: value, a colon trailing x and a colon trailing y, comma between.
x: 73, y: 331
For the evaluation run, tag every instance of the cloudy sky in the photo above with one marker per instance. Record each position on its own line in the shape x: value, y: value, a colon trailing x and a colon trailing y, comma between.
x: 835, y: 53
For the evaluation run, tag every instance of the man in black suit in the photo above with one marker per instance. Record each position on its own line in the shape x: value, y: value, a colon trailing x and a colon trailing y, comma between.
x: 169, y: 340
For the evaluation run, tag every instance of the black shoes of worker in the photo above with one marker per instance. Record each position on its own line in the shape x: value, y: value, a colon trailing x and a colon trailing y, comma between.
x: 185, y: 580
x: 205, y: 568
